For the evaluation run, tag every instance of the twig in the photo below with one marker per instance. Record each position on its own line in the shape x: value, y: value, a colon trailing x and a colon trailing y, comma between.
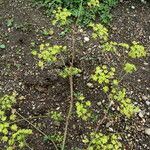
x: 35, y: 128
x: 71, y: 94
x: 28, y: 146
x: 34, y: 117
x: 101, y: 121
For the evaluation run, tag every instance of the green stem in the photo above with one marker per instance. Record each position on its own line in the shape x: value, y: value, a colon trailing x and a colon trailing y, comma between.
x: 35, y: 128
x: 34, y: 117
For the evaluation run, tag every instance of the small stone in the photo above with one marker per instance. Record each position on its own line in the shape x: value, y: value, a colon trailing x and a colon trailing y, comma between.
x: 114, y: 28
x: 99, y: 103
x: 144, y: 97
x: 111, y: 129
x: 147, y: 103
x: 141, y: 114
x: 146, y: 64
x: 147, y: 131
x: 108, y: 124
x: 143, y: 1
x: 133, y: 7
x: 90, y: 85
x: 113, y: 109
x: 33, y: 107
x: 86, y: 39
x: 129, y: 135
x: 81, y: 30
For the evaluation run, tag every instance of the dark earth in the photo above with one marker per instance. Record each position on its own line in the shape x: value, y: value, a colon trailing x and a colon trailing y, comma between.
x: 41, y: 91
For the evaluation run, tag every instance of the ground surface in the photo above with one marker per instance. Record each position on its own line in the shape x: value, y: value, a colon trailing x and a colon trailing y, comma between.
x: 43, y: 91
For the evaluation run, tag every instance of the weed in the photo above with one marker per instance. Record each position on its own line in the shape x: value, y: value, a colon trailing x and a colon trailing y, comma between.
x: 48, y: 53
x: 2, y: 46
x: 99, y: 141
x: 82, y: 107
x: 69, y: 71
x: 10, y: 22
x: 10, y: 132
x: 137, y: 50
x: 56, y: 116
x: 84, y: 11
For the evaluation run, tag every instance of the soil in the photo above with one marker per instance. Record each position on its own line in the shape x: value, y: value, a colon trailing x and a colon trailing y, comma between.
x: 41, y: 91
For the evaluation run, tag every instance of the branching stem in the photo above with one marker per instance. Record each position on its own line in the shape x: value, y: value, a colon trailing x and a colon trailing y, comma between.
x: 35, y: 128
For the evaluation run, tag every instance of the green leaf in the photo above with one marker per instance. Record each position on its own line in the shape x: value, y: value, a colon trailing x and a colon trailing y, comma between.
x: 2, y: 46
x: 129, y: 68
x: 4, y: 138
x: 34, y: 53
x: 14, y: 127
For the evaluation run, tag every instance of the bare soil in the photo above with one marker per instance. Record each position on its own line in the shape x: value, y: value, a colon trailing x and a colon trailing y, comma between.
x: 41, y: 91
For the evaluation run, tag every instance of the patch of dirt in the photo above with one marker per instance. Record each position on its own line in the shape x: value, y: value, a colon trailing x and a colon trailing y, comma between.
x: 44, y: 91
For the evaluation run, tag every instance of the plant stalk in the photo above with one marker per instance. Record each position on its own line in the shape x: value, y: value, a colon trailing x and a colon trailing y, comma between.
x: 35, y: 128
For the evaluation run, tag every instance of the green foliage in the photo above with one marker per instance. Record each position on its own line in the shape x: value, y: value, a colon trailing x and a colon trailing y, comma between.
x: 99, y: 141
x: 48, y: 32
x: 113, y: 46
x: 7, y: 101
x: 109, y: 46
x: 129, y: 68
x: 125, y: 104
x: 103, y: 74
x: 2, y: 46
x: 69, y: 71
x: 56, y: 116
x: 99, y: 31
x: 10, y: 22
x: 10, y: 134
x: 54, y: 137
x: 61, y: 16
x: 48, y: 54
x: 82, y: 107
x: 137, y: 50
x: 84, y: 11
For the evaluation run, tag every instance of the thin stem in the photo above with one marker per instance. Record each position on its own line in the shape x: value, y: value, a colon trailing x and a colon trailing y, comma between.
x: 69, y: 113
x: 101, y: 121
x: 35, y: 128
x: 71, y: 94
x: 34, y: 117
x: 28, y: 146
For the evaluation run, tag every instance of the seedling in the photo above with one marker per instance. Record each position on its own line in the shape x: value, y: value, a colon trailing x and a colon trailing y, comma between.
x: 2, y: 46
x: 11, y: 134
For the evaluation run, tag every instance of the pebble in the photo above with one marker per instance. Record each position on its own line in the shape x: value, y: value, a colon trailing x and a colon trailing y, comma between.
x: 113, y: 109
x: 108, y: 124
x: 147, y: 131
x: 143, y: 1
x: 146, y: 64
x: 133, y: 7
x: 147, y: 103
x: 99, y: 103
x: 90, y: 85
x: 111, y: 129
x: 86, y: 39
x: 81, y: 30
x: 141, y: 114
x: 144, y: 97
